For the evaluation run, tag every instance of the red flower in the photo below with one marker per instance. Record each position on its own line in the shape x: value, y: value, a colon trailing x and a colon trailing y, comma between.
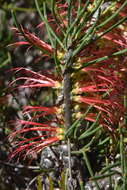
x: 30, y: 137
x: 30, y: 145
x: 104, y: 89
x: 32, y: 40
x: 34, y: 79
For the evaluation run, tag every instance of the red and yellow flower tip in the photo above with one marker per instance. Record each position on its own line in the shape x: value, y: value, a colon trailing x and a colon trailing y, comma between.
x: 43, y: 109
x: 33, y: 79
x: 40, y: 111
x: 44, y: 135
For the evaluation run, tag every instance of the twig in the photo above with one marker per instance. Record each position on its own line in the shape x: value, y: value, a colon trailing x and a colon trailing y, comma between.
x: 67, y: 85
x: 20, y: 166
x: 67, y: 107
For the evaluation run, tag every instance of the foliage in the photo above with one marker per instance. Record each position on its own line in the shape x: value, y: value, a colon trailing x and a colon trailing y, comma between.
x: 82, y: 106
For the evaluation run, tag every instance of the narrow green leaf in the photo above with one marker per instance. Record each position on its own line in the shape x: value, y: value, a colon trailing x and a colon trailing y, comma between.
x: 123, y: 159
x: 5, y: 62
x: 112, y: 27
x: 86, y: 17
x: 53, y: 7
x: 49, y: 29
x: 98, y: 4
x: 81, y: 185
x: 85, y: 157
x: 77, y: 122
x: 51, y: 186
x: 104, y: 141
x: 39, y: 183
x: 91, y: 128
x: 62, y: 182
x: 72, y: 127
x: 57, y: 62
x: 87, y: 146
x: 77, y: 19
x: 69, y: 11
x: 104, y: 176
x: 105, y: 169
x: 15, y: 20
x: 102, y: 59
x: 87, y: 37
x: 125, y: 107
x: 90, y: 133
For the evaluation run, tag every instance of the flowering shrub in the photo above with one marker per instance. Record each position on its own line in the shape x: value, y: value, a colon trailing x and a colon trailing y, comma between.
x: 87, y: 42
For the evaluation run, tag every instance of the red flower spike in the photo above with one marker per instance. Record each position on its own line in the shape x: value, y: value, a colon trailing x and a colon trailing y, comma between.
x: 34, y: 144
x: 32, y: 149
x: 103, y: 88
x: 102, y: 85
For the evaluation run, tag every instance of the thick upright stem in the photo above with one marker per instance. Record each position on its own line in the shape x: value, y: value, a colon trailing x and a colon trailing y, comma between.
x: 67, y: 87
x: 68, y: 109
x: 67, y: 99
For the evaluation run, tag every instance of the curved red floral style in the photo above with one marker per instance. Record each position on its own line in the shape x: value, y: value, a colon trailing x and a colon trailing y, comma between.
x: 34, y: 79
x: 28, y: 137
x: 32, y: 40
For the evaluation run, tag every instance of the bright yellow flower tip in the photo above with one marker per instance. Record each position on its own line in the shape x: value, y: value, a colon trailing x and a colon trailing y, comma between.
x: 60, y: 133
x: 60, y: 55
x: 58, y: 85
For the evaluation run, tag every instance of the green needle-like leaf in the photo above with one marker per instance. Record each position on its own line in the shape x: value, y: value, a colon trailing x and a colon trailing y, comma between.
x: 77, y: 122
x: 84, y: 135
x: 102, y: 59
x: 79, y: 16
x: 49, y: 29
x: 112, y: 27
x: 87, y: 38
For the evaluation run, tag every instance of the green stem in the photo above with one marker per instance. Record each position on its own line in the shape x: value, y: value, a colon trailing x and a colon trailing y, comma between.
x: 20, y: 9
x: 90, y: 169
